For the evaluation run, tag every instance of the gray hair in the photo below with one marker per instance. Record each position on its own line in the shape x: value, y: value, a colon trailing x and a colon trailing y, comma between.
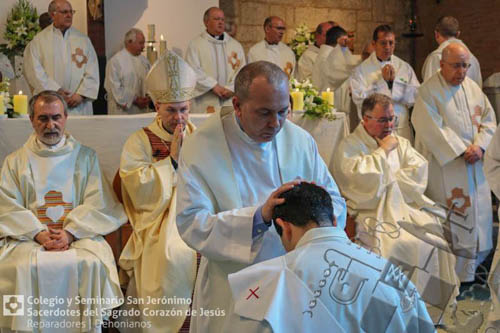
x: 206, y: 15
x: 371, y: 101
x: 131, y: 35
x: 448, y: 26
x: 273, y: 74
x: 53, y: 5
x: 48, y: 96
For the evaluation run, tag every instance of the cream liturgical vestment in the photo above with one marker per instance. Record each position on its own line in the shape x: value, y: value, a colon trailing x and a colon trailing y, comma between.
x: 447, y: 119
x: 432, y: 63
x: 159, y: 263
x: 306, y: 63
x: 225, y: 177
x: 492, y: 173
x: 279, y: 54
x: 367, y: 79
x: 319, y: 65
x: 384, y: 194
x: 327, y: 284
x: 60, y: 187
x: 53, y: 61
x: 215, y: 62
x: 124, y: 82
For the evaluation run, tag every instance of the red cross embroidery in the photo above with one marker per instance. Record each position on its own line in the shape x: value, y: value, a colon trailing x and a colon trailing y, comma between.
x: 253, y: 293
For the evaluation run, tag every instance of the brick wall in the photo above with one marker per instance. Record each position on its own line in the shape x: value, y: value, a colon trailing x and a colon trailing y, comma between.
x: 360, y: 16
x: 478, y: 24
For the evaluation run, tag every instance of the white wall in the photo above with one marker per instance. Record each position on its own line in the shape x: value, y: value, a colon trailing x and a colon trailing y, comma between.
x: 79, y: 20
x: 178, y: 20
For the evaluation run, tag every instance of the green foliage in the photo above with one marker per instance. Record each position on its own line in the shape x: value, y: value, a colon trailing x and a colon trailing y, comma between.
x: 22, y: 25
x: 302, y: 39
x: 314, y: 106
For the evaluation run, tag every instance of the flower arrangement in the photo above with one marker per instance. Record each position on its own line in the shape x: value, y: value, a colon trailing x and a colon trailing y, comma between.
x: 4, y: 91
x: 22, y: 25
x: 314, y: 106
x: 302, y: 39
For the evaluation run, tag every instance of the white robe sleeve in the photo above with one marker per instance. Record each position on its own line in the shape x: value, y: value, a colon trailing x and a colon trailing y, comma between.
x: 204, y: 82
x: 33, y: 70
x: 444, y: 144
x: 113, y: 83
x: 304, y: 67
x: 251, y: 56
x: 89, y: 86
x: 99, y: 212
x: 488, y: 125
x: 224, y: 236
x: 412, y: 175
x: 492, y: 164
x: 16, y: 221
x: 360, y: 88
x: 362, y: 177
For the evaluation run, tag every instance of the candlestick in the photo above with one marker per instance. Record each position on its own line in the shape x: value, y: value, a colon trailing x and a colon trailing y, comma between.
x: 298, y: 100
x: 21, y: 103
x: 151, y: 32
x: 2, y: 106
x: 327, y: 96
x: 163, y: 45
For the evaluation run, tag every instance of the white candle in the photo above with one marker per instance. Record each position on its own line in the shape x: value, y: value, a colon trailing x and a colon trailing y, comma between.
x: 20, y: 102
x: 163, y: 45
x: 298, y: 100
x: 327, y: 96
x: 151, y: 32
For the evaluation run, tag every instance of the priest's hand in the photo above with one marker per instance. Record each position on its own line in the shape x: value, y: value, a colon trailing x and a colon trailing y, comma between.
x: 227, y: 93
x: 388, y: 143
x: 64, y: 93
x: 389, y: 73
x: 74, y: 100
x: 274, y: 200
x: 43, y: 237
x: 60, y: 240
x: 222, y: 92
x: 473, y: 153
x: 175, y: 147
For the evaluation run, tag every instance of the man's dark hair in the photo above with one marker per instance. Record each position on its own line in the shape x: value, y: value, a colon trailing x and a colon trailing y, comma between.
x: 371, y: 101
x: 273, y: 74
x: 333, y: 34
x: 319, y: 28
x: 44, y: 20
x: 304, y: 203
x: 385, y: 28
x: 448, y: 26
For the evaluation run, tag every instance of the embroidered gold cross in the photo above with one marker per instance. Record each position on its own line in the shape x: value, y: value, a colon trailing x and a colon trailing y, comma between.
x: 458, y: 193
x: 234, y: 61
x: 79, y: 55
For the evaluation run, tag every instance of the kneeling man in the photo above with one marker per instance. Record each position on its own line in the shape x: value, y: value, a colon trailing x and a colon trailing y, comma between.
x: 55, y: 206
x: 325, y: 282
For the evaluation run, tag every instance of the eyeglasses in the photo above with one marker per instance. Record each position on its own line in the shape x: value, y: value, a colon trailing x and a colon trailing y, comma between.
x: 279, y: 28
x: 458, y: 65
x: 383, y: 120
x: 64, y: 12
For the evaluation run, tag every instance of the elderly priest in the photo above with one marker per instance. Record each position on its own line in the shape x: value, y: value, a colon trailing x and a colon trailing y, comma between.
x: 454, y: 123
x: 63, y: 59
x: 159, y: 265
x: 55, y: 206
x: 383, y: 179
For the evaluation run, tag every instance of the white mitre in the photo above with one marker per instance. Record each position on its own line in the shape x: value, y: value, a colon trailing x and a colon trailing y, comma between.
x: 170, y: 80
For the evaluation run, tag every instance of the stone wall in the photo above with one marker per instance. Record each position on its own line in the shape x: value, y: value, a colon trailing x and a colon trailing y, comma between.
x: 360, y: 16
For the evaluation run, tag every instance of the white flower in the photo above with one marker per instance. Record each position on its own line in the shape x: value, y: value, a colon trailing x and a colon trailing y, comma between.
x: 21, y: 30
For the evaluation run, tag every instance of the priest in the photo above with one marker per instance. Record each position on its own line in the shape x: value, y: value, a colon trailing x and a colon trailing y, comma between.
x: 216, y: 58
x: 333, y: 36
x: 307, y: 59
x: 447, y: 31
x: 55, y: 206
x: 325, y: 282
x: 272, y: 49
x: 385, y: 73
x: 125, y: 73
x: 383, y: 179
x: 62, y: 59
x: 231, y: 171
x: 159, y: 265
x: 454, y: 123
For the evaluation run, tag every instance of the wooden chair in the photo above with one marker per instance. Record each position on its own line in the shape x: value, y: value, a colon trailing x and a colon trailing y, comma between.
x: 118, y: 238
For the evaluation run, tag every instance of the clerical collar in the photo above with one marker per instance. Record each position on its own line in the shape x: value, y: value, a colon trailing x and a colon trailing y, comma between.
x: 380, y: 60
x: 244, y: 136
x: 269, y: 44
x: 317, y: 45
x: 220, y: 37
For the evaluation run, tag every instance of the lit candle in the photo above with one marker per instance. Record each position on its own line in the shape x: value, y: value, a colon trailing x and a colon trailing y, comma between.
x: 298, y: 100
x: 149, y: 53
x: 151, y: 32
x: 2, y: 106
x: 155, y: 55
x: 327, y: 96
x: 163, y: 45
x: 21, y: 103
